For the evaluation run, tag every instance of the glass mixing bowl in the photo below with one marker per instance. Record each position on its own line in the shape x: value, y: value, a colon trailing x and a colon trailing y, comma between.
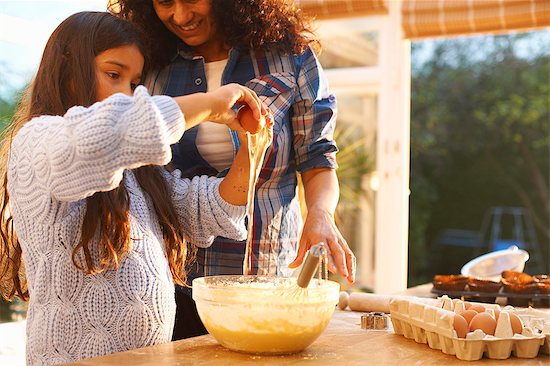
x: 263, y: 314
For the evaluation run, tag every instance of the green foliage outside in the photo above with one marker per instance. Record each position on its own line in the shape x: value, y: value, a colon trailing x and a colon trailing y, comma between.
x: 7, y: 107
x: 6, y: 111
x: 479, y: 138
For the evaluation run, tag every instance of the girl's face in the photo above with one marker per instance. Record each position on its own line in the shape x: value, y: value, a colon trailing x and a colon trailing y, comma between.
x: 118, y: 70
x: 190, y: 20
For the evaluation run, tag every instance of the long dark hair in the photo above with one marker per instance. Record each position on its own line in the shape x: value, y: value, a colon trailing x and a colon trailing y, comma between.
x: 66, y: 77
x: 257, y: 24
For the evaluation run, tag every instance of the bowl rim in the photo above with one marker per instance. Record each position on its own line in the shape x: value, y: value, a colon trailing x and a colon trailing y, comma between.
x: 200, y: 282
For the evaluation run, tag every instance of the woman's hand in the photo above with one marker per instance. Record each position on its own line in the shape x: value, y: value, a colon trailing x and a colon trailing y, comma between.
x: 321, y: 195
x: 320, y: 227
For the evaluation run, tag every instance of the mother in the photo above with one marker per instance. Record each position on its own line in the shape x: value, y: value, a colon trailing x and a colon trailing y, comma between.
x: 267, y: 45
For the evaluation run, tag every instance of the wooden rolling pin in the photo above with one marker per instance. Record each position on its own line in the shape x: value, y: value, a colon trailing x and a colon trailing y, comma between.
x: 361, y: 301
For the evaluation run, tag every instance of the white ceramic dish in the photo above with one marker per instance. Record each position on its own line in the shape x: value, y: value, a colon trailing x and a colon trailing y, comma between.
x: 490, y: 266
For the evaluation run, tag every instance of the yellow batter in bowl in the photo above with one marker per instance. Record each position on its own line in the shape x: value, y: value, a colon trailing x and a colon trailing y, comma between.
x: 263, y: 314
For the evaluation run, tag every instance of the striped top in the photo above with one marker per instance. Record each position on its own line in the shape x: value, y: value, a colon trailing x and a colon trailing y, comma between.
x: 296, y: 90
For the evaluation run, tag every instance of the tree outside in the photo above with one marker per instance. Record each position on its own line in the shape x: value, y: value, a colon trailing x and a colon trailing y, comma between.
x: 479, y: 138
x: 8, y: 97
x: 8, y: 101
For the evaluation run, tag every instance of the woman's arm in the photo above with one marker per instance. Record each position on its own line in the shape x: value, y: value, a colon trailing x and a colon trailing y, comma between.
x: 321, y: 192
x: 313, y: 124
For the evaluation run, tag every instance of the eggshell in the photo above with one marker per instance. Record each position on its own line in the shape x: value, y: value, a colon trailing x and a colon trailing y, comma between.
x: 477, y: 307
x: 467, y: 305
x: 517, y: 324
x: 248, y: 121
x: 468, y: 315
x: 460, y: 325
x: 485, y: 322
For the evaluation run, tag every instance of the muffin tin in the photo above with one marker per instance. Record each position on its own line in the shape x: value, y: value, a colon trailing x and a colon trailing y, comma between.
x: 513, y: 298
x: 433, y: 325
x: 519, y: 289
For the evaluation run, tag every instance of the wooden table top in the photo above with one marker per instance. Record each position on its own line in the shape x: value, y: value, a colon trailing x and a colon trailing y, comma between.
x: 342, y: 343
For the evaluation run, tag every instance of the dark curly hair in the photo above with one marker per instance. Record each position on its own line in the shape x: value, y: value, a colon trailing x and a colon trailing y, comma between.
x: 244, y: 24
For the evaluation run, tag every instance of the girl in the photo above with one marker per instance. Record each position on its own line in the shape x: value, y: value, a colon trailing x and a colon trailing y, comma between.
x: 85, y: 199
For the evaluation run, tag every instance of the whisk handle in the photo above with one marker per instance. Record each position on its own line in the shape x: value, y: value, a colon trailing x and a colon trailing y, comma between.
x: 310, y: 266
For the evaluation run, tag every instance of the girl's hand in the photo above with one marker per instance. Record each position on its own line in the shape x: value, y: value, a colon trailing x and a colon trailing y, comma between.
x: 228, y: 96
x: 263, y: 137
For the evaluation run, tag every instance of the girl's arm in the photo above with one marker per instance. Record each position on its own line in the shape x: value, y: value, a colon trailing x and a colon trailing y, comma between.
x: 71, y: 157
x: 203, y: 212
x: 235, y: 185
x: 217, y: 106
x: 220, y: 202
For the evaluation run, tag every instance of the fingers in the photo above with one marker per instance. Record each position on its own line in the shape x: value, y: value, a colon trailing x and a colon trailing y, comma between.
x: 237, y: 95
x: 302, y: 249
x: 347, y: 263
x: 351, y: 263
x: 236, y: 126
x: 253, y: 101
x: 331, y: 264
x: 339, y: 257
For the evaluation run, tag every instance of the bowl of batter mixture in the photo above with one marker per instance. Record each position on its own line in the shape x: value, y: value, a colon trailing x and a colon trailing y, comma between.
x: 264, y: 314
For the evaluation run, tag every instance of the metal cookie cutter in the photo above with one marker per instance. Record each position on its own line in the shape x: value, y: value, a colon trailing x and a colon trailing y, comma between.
x: 374, y: 320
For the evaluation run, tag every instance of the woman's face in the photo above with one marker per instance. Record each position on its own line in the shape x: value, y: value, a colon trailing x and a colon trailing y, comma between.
x: 190, y: 20
x: 118, y: 70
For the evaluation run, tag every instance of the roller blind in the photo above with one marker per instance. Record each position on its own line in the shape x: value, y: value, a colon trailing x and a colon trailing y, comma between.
x: 431, y: 18
x: 330, y: 9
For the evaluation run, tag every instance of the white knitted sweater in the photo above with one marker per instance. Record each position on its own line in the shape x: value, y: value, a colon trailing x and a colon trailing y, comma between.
x: 55, y: 163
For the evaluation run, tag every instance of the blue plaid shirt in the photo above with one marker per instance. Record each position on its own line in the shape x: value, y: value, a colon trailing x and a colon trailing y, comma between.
x: 296, y: 91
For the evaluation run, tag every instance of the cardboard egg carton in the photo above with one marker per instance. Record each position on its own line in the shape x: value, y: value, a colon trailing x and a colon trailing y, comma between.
x: 433, y: 325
